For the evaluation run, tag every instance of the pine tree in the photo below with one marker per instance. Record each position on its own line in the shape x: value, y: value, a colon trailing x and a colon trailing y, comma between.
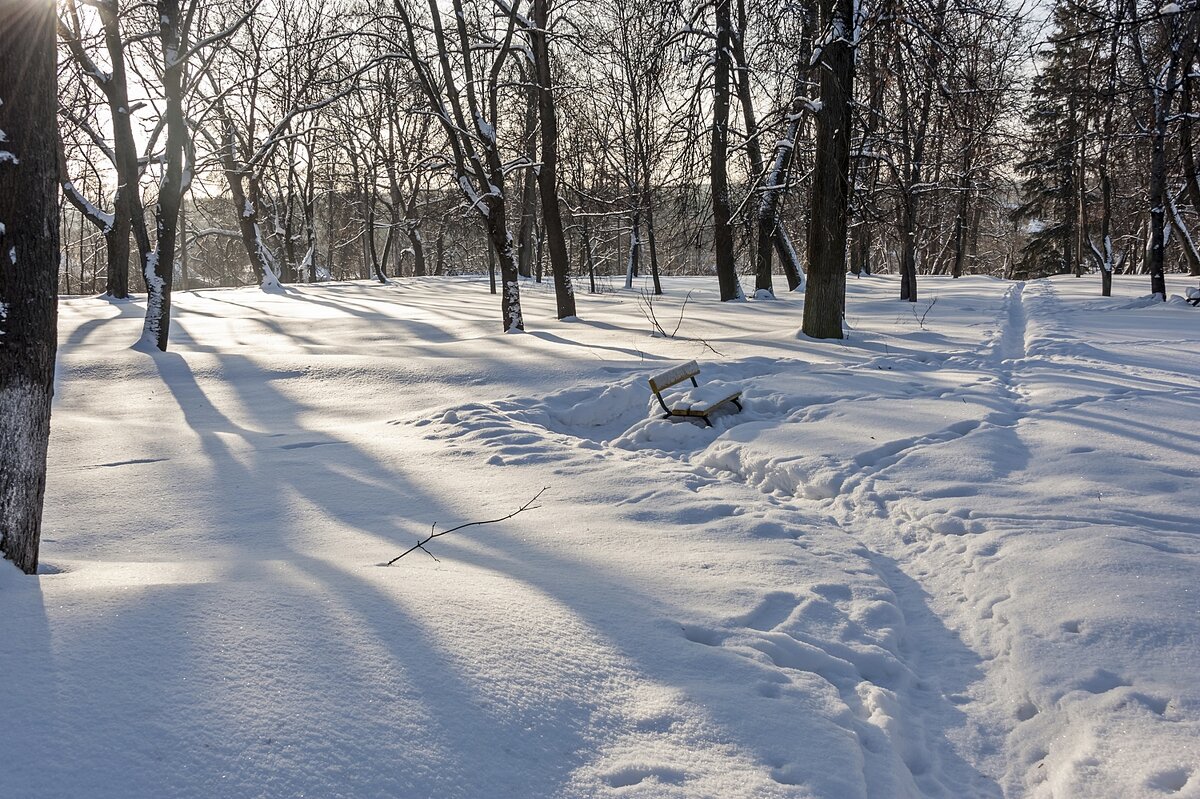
x: 1056, y: 122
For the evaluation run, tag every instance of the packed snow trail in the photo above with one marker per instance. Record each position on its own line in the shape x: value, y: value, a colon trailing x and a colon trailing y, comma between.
x: 948, y: 505
x: 946, y: 558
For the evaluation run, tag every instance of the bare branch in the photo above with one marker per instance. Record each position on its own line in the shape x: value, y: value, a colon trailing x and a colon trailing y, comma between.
x: 434, y: 534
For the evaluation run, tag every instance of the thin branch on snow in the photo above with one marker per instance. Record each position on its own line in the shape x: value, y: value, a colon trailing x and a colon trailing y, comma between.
x: 434, y: 534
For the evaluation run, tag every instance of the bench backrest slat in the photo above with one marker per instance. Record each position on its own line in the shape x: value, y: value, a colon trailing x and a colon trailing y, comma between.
x: 676, y: 375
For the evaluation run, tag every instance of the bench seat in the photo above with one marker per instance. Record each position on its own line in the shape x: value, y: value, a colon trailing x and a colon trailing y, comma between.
x: 700, y: 400
x: 697, y: 401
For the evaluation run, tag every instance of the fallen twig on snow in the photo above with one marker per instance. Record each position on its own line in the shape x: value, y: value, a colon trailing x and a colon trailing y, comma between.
x: 434, y: 534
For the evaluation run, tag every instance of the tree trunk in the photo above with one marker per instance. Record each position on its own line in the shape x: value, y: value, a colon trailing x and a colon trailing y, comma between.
x: 160, y: 270
x: 529, y: 190
x: 861, y: 258
x: 726, y: 266
x: 243, y: 192
x: 510, y: 287
x: 310, y: 215
x: 1183, y: 236
x: 128, y: 215
x: 908, y: 247
x: 127, y: 199
x: 28, y: 269
x: 589, y: 257
x: 329, y: 227
x: 960, y: 217
x: 377, y: 266
x: 560, y: 265
x: 1187, y: 144
x: 762, y: 252
x: 1158, y: 202
x: 183, y: 248
x: 825, y: 297
x: 651, y: 242
x: 635, y: 249
x: 769, y: 228
x: 491, y: 267
x: 788, y: 258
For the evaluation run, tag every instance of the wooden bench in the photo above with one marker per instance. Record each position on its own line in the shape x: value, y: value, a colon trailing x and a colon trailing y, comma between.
x: 697, y: 401
x: 1193, y: 297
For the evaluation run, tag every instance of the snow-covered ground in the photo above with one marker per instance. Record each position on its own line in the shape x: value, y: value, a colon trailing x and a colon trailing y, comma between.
x: 949, y: 558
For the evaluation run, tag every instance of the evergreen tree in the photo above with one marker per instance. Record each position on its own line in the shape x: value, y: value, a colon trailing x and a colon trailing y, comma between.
x: 1056, y: 121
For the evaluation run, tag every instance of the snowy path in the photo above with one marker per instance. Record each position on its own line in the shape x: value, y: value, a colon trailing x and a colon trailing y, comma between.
x: 944, y: 559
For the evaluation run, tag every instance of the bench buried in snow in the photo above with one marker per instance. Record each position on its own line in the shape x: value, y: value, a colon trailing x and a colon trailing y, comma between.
x: 697, y: 401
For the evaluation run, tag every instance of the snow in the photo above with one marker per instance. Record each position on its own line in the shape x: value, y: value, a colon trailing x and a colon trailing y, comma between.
x: 948, y: 560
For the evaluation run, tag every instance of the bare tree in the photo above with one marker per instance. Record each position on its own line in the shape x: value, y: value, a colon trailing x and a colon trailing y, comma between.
x: 128, y: 215
x: 1162, y: 67
x: 825, y: 297
x: 723, y: 249
x: 466, y: 105
x: 28, y: 269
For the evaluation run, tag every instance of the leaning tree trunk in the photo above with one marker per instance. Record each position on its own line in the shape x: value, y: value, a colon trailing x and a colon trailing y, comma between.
x: 825, y: 297
x: 788, y: 258
x: 769, y: 227
x: 719, y: 171
x: 560, y: 265
x: 29, y: 229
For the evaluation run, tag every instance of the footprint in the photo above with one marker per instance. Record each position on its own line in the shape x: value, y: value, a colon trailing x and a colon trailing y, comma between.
x: 788, y: 774
x: 1170, y: 781
x: 766, y: 529
x: 633, y: 775
x: 704, y: 635
x: 773, y: 611
x: 770, y: 690
x: 1026, y: 710
x: 1156, y: 705
x: 1103, y: 681
x: 832, y: 591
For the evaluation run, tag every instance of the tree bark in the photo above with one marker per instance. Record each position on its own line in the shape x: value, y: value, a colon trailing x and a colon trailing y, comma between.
x: 719, y: 158
x: 128, y: 214
x: 560, y: 265
x: 244, y: 194
x: 529, y: 189
x: 160, y: 269
x: 825, y: 297
x: 29, y: 230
